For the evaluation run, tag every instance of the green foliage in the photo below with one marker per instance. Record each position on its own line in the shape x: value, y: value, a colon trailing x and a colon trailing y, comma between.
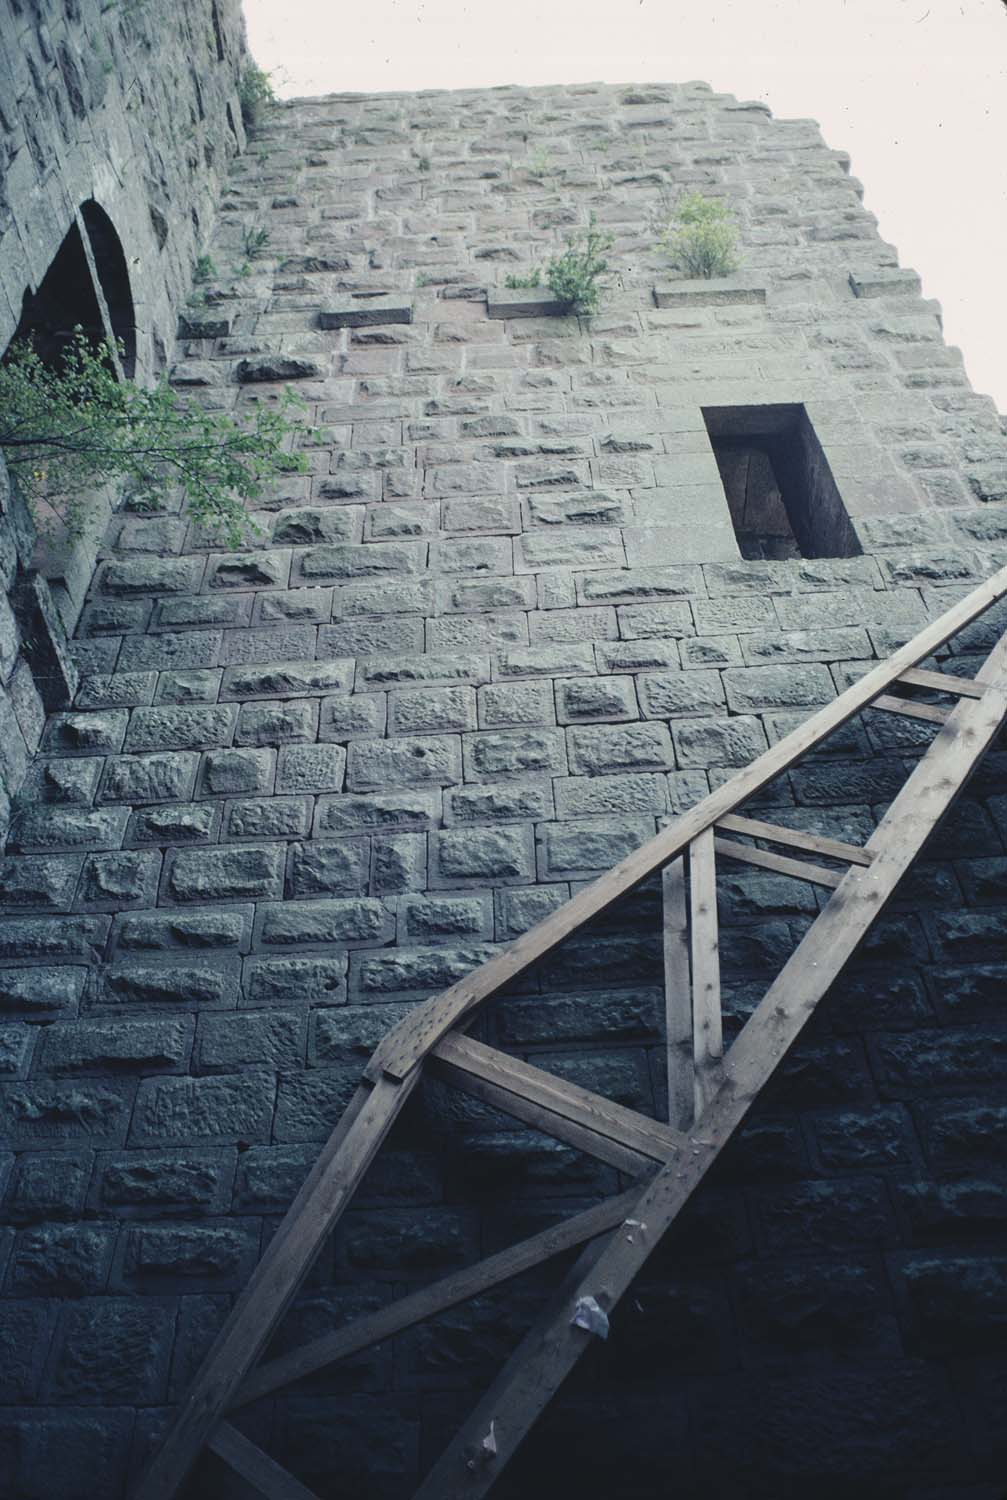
x: 65, y: 430
x: 533, y: 278
x: 573, y: 277
x: 701, y: 237
x: 539, y: 164
x: 255, y: 242
x: 204, y: 269
x: 254, y: 90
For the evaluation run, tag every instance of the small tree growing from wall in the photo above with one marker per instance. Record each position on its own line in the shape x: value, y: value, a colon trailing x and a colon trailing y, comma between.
x: 701, y: 237
x: 66, y: 429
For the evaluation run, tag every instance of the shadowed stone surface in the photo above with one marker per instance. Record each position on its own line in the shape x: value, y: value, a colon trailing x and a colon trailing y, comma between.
x: 495, y: 634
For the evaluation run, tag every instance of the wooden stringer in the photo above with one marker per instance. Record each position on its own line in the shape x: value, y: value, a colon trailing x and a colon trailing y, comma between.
x: 710, y: 1092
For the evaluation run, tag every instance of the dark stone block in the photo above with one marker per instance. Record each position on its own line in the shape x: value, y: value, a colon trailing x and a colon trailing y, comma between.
x: 25, y: 1332
x: 113, y: 1350
x: 863, y: 1138
x: 422, y: 1239
x: 821, y: 1215
x: 793, y: 1309
x: 61, y: 1259
x: 958, y: 1303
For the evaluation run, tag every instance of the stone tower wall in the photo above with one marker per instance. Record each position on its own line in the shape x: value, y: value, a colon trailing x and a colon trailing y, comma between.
x: 497, y: 633
x: 137, y: 110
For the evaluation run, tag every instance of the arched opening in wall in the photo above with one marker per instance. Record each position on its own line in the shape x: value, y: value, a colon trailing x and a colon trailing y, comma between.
x: 113, y: 278
x: 86, y: 286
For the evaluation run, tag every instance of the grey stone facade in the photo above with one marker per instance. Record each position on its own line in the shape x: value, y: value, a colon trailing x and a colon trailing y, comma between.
x: 497, y: 633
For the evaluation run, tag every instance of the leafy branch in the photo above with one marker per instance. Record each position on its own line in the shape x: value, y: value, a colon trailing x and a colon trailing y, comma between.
x: 66, y: 429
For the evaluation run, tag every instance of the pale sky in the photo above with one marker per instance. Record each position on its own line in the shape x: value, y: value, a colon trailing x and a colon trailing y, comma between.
x: 915, y: 90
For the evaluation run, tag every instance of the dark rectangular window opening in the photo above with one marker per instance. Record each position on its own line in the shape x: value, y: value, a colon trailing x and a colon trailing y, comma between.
x: 782, y: 497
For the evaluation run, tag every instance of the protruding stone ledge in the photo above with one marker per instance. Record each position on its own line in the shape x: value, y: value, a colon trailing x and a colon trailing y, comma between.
x: 714, y: 291
x: 881, y: 281
x: 366, y: 311
x: 523, y: 302
x: 193, y: 325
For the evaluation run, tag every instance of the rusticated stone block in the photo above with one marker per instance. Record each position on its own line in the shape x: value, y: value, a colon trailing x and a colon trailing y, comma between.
x: 148, y: 575
x: 44, y: 829
x: 180, y: 728
x: 288, y: 981
x: 227, y: 772
x: 963, y: 1059
x: 38, y: 881
x: 25, y: 1332
x: 499, y: 802
x: 276, y: 723
x: 287, y: 680
x: 109, y: 882
x: 427, y: 919
x: 40, y: 991
x: 578, y: 851
x: 272, y: 643
x: 437, y: 710
x: 328, y: 523
x: 195, y: 686
x: 48, y: 1186
x: 215, y: 1256
x: 73, y: 939
x: 403, y: 762
x: 406, y: 972
x: 140, y: 1182
x: 398, y: 863
x: 407, y: 1241
x: 719, y: 742
x: 62, y: 781
x: 48, y: 1113
x: 479, y: 856
x: 182, y: 650
x: 134, y: 779
x: 113, y: 1351
x: 428, y: 670
x: 310, y: 768
x: 60, y: 1259
x: 228, y: 874
x: 377, y: 811
x: 339, y: 562
x: 596, y: 699
x: 361, y: 716
x: 308, y: 1105
x: 328, y: 869
x: 267, y: 818
x: 85, y: 734
x: 116, y: 1046
x: 518, y: 752
x: 311, y: 923
x: 231, y: 1043
x: 603, y: 749
x: 189, y: 823
x: 197, y: 1111
x: 269, y: 1177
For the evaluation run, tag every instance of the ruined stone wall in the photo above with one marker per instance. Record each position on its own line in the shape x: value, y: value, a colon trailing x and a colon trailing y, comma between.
x: 136, y: 110
x: 496, y: 635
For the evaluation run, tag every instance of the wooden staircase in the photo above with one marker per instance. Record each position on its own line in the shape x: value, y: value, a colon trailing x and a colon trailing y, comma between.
x: 709, y: 1091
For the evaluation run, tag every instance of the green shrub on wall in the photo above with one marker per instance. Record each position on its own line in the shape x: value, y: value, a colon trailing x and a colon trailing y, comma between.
x: 701, y: 237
